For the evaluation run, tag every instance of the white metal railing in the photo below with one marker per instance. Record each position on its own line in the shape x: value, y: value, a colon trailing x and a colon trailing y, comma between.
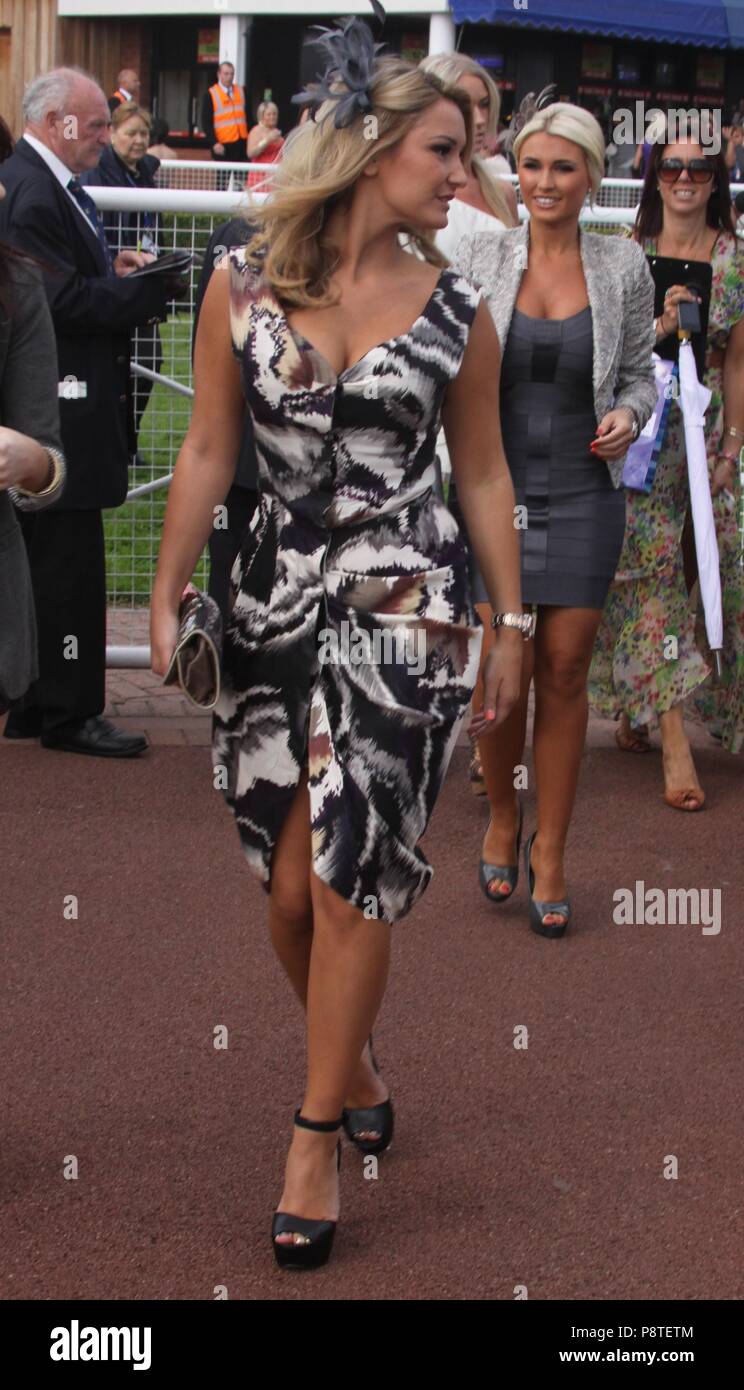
x: 186, y: 220
x: 210, y: 175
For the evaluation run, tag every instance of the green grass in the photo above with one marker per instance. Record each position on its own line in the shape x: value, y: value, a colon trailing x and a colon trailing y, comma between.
x: 132, y: 532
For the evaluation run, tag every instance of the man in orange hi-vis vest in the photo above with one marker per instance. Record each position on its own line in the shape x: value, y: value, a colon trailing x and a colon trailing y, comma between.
x: 127, y: 90
x: 223, y: 117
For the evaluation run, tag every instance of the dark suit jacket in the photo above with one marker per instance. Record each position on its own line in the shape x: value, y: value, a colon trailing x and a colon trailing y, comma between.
x: 92, y: 314
x: 234, y: 233
x: 28, y: 403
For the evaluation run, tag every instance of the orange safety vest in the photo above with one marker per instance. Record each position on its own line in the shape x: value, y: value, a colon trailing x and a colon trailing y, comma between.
x: 122, y: 96
x: 229, y: 116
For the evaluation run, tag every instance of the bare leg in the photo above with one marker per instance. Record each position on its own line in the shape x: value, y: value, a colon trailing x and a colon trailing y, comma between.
x: 291, y: 930
x: 680, y: 778
x: 564, y: 641
x: 501, y: 752
x: 349, y: 962
x: 290, y: 902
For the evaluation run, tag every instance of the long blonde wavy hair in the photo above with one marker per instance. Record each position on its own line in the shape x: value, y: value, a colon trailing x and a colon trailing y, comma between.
x: 451, y: 67
x: 318, y: 171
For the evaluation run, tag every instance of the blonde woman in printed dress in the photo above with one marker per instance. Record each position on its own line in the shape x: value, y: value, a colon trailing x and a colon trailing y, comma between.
x: 348, y: 348
x: 685, y: 212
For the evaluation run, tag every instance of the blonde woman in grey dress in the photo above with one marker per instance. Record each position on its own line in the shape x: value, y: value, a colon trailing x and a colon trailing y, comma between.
x: 576, y: 387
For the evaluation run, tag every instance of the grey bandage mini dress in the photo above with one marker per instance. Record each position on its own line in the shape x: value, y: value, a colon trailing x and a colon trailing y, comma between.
x: 571, y: 519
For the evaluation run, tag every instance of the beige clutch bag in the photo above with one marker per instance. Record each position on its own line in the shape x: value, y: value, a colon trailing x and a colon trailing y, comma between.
x: 195, y: 664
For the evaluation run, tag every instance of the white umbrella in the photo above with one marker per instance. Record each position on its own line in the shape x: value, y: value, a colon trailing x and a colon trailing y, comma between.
x: 694, y: 399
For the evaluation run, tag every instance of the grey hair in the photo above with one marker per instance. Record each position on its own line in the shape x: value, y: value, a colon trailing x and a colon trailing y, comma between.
x: 51, y: 91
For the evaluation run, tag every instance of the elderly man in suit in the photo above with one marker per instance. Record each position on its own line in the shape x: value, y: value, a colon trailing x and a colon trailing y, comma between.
x: 94, y: 303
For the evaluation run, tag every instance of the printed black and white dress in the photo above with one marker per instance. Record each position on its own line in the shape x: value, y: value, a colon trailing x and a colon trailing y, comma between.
x: 353, y: 645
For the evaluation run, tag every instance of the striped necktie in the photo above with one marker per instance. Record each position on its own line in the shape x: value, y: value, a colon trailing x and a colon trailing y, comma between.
x: 86, y: 205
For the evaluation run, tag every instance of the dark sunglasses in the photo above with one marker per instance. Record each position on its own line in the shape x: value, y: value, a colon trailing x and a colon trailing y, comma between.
x: 699, y: 170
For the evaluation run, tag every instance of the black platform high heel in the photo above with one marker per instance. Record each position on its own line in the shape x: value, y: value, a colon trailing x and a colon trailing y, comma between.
x: 378, y: 1118
x: 317, y: 1236
x: 508, y: 873
x: 540, y: 910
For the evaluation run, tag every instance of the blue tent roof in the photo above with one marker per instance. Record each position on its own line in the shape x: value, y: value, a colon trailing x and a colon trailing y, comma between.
x: 704, y: 23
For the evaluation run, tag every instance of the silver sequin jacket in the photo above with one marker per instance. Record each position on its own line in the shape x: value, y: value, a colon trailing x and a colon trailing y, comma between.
x: 621, y: 296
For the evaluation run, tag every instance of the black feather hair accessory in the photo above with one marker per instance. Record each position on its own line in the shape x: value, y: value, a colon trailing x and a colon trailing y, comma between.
x: 351, y: 51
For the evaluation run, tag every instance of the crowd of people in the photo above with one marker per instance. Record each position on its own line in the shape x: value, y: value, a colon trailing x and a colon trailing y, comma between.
x: 383, y: 305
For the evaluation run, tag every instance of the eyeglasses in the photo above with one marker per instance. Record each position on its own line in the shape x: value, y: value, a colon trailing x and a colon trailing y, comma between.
x: 699, y: 170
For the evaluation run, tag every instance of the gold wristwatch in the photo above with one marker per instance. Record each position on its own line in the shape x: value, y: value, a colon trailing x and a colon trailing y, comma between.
x: 57, y: 461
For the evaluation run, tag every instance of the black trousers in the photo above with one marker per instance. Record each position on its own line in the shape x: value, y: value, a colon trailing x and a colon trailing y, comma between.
x: 68, y: 573
x: 225, y: 544
x: 235, y: 152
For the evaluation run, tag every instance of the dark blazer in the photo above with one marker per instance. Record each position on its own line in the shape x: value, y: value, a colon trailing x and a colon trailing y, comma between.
x: 28, y: 403
x: 92, y: 314
x: 122, y: 228
x: 229, y: 234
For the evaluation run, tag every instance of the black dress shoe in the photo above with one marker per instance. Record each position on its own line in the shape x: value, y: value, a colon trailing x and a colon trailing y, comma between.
x: 98, y: 737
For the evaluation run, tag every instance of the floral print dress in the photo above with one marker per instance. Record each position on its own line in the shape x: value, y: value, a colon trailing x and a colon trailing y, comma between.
x: 637, y: 668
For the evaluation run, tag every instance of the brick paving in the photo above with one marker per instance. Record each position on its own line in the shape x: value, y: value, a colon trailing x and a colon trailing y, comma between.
x: 136, y: 699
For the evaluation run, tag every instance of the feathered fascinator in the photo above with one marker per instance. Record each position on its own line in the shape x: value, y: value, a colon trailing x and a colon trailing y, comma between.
x: 351, y: 51
x: 528, y: 107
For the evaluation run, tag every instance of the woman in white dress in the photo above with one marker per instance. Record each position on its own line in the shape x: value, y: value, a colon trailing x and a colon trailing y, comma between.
x: 487, y: 199
x: 487, y: 203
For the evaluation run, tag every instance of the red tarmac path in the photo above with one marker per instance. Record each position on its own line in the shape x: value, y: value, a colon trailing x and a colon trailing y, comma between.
x: 540, y: 1167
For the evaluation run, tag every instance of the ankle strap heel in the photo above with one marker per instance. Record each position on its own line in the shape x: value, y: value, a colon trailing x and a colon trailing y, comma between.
x: 315, y: 1241
x: 321, y: 1126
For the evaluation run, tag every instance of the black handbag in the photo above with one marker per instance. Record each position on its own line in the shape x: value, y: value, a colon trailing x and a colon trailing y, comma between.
x: 195, y: 663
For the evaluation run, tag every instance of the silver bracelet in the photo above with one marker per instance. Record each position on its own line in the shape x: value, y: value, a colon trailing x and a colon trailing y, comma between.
x: 524, y: 622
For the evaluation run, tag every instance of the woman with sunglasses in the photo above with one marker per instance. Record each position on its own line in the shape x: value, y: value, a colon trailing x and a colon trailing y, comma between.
x: 637, y: 674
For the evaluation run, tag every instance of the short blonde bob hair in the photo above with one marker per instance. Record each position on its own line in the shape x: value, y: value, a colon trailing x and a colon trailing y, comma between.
x: 575, y: 124
x: 319, y: 169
